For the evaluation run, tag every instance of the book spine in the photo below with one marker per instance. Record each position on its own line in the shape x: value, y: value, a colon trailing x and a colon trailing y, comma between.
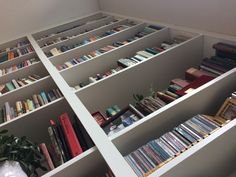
x: 70, y: 135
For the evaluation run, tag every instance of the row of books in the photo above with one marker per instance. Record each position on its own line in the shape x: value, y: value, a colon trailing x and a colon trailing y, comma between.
x: 16, y: 53
x: 64, y: 38
x: 7, y: 112
x: 68, y: 139
x: 17, y: 45
x: 14, y: 84
x: 18, y: 66
x: 70, y: 28
x: 158, y: 152
x: 178, y: 87
x: 117, y: 119
x: 90, y: 55
x: 64, y: 48
x: 139, y: 56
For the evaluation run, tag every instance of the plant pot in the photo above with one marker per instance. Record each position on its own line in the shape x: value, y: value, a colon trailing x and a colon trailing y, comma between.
x: 11, y: 169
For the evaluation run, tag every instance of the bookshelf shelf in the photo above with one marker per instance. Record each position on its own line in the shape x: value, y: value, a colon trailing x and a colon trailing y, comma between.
x: 103, y: 58
x: 81, y: 50
x: 17, y: 59
x: 72, y: 27
x: 102, y: 27
x: 118, y: 89
x: 77, y: 166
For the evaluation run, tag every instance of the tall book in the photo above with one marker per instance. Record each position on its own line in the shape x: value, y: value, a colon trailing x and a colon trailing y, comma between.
x: 47, y: 156
x: 70, y: 135
x: 59, y: 141
x: 85, y: 135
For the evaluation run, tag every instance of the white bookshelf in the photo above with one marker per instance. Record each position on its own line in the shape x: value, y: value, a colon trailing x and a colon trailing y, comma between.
x: 118, y: 89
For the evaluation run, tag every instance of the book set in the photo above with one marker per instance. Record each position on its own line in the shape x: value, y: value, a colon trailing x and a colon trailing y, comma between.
x: 158, y: 152
x: 75, y: 61
x: 10, y: 54
x: 17, y: 83
x: 68, y: 139
x: 63, y: 38
x: 18, y: 66
x: 139, y: 56
x: 8, y: 112
x: 74, y: 26
x: 58, y: 51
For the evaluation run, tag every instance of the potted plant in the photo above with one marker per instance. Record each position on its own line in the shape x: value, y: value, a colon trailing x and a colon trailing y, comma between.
x: 17, y: 154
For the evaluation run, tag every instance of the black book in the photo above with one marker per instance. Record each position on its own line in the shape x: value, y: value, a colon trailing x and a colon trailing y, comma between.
x: 58, y: 140
x: 64, y: 144
x: 80, y: 137
x: 85, y: 135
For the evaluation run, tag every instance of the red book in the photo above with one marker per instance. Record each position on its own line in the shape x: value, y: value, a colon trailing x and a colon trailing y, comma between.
x: 47, y: 156
x: 195, y: 84
x: 70, y: 135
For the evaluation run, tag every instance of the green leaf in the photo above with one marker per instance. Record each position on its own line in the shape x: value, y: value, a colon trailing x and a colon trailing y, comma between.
x: 3, y: 131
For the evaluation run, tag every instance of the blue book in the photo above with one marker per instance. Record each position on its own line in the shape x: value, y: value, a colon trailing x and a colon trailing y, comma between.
x: 44, y: 96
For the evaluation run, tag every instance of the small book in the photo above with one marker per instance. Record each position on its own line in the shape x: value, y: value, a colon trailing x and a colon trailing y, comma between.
x: 55, y: 52
x: 7, y: 111
x: 16, y: 85
x: 10, y: 86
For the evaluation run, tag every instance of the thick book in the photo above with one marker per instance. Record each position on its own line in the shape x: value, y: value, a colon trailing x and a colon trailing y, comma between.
x: 195, y: 84
x: 192, y: 73
x: 47, y: 156
x: 70, y: 135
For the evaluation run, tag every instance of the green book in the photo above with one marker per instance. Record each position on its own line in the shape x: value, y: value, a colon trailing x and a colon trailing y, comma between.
x: 10, y: 86
x: 30, y: 105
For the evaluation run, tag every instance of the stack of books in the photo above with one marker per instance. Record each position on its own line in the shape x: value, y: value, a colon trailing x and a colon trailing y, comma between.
x: 57, y: 51
x: 68, y: 140
x: 117, y: 119
x: 137, y: 58
x: 18, y: 66
x: 70, y: 28
x: 64, y: 38
x: 11, y: 54
x: 7, y: 112
x: 19, y: 44
x: 90, y: 55
x: 14, y: 84
x: 158, y: 152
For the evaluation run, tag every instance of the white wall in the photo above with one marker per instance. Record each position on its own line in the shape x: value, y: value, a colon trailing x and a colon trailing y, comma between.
x: 19, y: 17
x: 209, y: 15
